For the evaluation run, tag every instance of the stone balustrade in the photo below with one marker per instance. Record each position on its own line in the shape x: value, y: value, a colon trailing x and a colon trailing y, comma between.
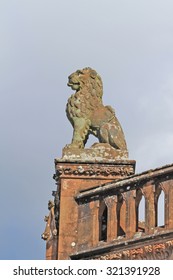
x: 110, y: 213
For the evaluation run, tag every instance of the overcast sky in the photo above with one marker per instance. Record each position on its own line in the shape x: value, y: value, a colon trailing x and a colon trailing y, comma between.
x: 128, y: 42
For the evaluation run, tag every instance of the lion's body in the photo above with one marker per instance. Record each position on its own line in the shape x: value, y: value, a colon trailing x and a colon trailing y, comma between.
x: 87, y: 113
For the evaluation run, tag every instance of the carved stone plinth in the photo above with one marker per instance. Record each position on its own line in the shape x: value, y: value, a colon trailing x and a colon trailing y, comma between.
x: 96, y: 153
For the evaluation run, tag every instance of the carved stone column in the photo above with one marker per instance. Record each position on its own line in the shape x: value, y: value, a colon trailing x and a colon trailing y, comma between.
x: 150, y: 217
x: 167, y: 187
x: 111, y: 203
x: 131, y: 214
x: 95, y: 223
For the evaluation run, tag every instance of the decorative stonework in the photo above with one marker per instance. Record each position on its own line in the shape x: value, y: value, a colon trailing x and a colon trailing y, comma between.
x: 50, y: 230
x: 160, y: 251
x: 95, y: 170
x: 50, y: 235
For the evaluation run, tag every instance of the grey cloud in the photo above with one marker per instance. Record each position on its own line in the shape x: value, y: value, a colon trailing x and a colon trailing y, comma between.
x: 128, y: 42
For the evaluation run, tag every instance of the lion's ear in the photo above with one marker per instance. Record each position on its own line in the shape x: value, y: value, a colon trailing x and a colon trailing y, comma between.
x: 93, y: 74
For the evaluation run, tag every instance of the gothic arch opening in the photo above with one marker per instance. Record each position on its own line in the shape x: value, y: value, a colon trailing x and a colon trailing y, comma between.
x: 160, y: 207
x: 121, y: 210
x: 140, y: 211
x: 103, y: 217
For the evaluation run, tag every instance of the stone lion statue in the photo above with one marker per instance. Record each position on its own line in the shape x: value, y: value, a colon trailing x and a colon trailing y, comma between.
x: 88, y: 115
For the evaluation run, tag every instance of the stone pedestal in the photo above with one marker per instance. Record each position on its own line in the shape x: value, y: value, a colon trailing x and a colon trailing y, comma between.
x: 77, y: 173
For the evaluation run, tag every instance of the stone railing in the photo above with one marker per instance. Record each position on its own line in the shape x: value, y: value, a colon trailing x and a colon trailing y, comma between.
x: 110, y: 213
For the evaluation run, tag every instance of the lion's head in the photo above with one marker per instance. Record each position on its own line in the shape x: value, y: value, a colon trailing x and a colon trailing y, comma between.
x: 88, y: 96
x: 86, y: 78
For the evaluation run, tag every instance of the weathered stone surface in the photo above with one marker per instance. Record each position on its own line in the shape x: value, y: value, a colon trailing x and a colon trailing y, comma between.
x: 73, y: 177
x: 157, y: 251
x: 88, y: 115
x: 50, y: 233
x: 94, y: 192
x: 127, y: 237
x: 98, y: 170
x: 97, y: 153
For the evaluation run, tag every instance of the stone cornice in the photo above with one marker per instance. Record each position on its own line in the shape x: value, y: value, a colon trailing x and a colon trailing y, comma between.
x: 108, y: 170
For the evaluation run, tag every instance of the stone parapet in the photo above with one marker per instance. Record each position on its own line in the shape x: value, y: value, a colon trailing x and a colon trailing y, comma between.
x: 118, y: 220
x: 153, y: 247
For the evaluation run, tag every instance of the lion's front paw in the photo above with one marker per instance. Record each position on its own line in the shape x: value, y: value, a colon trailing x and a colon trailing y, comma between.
x: 75, y: 146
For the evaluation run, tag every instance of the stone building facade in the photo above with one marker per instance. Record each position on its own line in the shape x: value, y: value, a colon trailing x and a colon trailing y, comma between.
x: 95, y: 214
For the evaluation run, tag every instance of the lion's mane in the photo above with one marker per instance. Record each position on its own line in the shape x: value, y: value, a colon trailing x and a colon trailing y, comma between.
x: 88, y: 98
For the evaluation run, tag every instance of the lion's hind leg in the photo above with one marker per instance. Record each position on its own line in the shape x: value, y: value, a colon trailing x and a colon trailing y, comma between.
x: 109, y: 133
